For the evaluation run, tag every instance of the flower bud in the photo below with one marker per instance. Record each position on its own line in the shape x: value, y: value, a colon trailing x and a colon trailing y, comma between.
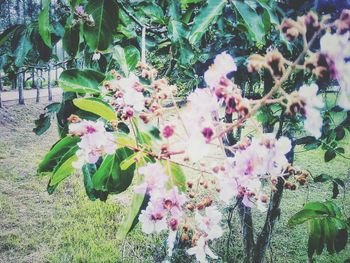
x: 190, y: 207
x: 264, y: 198
x: 189, y: 184
x: 168, y: 131
x: 173, y: 224
x: 184, y: 237
x: 74, y: 118
x: 343, y: 23
x: 144, y: 117
x: 208, y: 133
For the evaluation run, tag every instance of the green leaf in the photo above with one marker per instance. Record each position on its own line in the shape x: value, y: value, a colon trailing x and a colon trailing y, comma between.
x: 335, y: 190
x: 203, y: 20
x: 329, y: 155
x: 44, y: 23
x: 21, y: 44
x: 5, y: 36
x: 303, y: 216
x: 110, y: 177
x: 96, y: 106
x: 120, y: 57
x: 138, y: 203
x: 126, y: 163
x: 57, y: 151
x: 81, y: 81
x: 251, y: 20
x: 178, y: 177
x: 64, y: 168
x: 322, y: 178
x: 74, y: 3
x: 71, y: 40
x: 42, y: 124
x: 132, y: 56
x: 314, y: 237
x: 88, y: 171
x: 105, y: 14
x: 154, y: 12
x: 127, y: 58
x: 326, y: 226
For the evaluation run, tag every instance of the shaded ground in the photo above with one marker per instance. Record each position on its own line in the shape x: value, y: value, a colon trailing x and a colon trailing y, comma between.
x: 66, y: 227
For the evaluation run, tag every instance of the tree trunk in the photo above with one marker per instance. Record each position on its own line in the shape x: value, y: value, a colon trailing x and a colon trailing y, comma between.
x: 18, y: 12
x: 9, y: 13
x: 273, y: 213
x: 49, y: 83
x: 245, y: 215
x: 56, y: 67
x: 0, y: 91
x: 20, y: 88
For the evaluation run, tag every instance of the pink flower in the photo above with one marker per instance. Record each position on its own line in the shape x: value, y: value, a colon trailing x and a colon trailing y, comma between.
x: 95, y: 142
x: 154, y: 178
x: 80, y: 10
x: 223, y: 64
x: 201, y: 250
x: 173, y: 201
x: 259, y: 157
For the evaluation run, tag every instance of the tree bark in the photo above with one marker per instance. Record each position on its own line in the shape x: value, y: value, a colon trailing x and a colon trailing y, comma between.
x: 245, y: 215
x: 49, y: 83
x: 273, y: 214
x: 0, y: 91
x: 20, y: 88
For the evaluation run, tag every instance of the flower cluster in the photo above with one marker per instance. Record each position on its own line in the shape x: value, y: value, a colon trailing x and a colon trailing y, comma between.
x: 253, y: 161
x: 164, y: 209
x: 95, y: 141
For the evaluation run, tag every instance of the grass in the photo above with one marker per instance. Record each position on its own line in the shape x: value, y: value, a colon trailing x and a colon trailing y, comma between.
x: 67, y: 227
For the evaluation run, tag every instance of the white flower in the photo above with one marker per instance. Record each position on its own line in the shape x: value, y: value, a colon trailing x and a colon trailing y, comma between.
x: 223, y: 64
x: 210, y: 223
x: 96, y: 56
x: 201, y: 250
x: 197, y: 148
x: 154, y: 178
x: 344, y: 81
x: 203, y: 102
x: 335, y: 45
x: 131, y: 97
x: 228, y: 189
x: 153, y: 219
x: 135, y: 99
x: 313, y: 103
x: 170, y: 242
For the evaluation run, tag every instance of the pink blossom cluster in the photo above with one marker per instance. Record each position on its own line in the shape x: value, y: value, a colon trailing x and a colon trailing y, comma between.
x: 165, y: 208
x: 253, y: 161
x: 95, y: 141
